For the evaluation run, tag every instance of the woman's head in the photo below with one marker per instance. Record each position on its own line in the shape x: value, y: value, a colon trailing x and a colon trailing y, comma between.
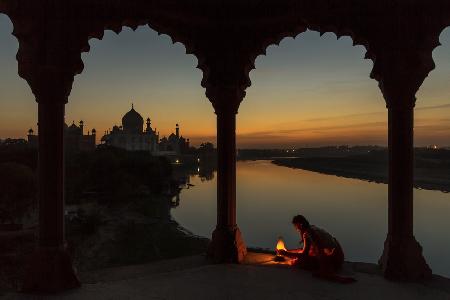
x: 300, y: 222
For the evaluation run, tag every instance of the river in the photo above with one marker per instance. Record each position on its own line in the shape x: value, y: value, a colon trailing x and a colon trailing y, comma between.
x: 354, y: 211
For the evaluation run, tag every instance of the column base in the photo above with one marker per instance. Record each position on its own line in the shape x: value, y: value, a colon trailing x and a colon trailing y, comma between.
x: 49, y: 270
x: 227, y: 246
x: 403, y: 260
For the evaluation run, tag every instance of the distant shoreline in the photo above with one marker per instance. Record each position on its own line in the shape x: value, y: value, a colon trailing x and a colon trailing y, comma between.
x: 361, y: 171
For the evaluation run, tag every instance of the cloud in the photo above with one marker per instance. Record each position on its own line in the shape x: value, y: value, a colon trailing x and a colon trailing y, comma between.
x: 269, y: 133
x: 435, y: 127
x: 350, y: 138
x: 433, y: 107
x: 374, y: 113
x: 356, y: 132
x: 346, y: 116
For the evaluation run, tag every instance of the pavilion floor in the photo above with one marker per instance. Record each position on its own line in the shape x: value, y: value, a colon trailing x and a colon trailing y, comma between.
x: 259, y: 278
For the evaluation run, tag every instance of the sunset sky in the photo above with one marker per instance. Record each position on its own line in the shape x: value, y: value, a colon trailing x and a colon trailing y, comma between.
x: 310, y: 91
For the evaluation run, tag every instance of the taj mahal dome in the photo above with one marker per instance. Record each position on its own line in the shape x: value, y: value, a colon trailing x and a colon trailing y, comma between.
x: 132, y: 136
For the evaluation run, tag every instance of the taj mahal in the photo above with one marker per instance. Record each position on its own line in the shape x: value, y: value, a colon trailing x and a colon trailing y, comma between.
x: 132, y: 136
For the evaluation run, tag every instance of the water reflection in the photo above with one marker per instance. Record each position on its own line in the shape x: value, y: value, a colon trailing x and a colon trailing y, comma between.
x: 354, y: 211
x: 184, y: 173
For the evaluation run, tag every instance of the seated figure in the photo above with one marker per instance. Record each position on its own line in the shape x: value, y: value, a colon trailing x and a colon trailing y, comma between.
x: 321, y: 252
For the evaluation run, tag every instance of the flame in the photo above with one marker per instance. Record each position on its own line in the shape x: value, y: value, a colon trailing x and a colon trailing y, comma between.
x: 280, y: 244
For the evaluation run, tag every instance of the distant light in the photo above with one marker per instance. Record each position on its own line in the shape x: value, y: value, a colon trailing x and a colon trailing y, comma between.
x: 435, y: 146
x: 198, y: 159
x: 198, y: 170
x: 177, y: 161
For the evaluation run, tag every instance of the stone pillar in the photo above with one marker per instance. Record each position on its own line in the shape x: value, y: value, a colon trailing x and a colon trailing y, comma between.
x: 51, y: 174
x: 402, y: 258
x: 49, y: 57
x: 227, y: 245
x: 50, y: 267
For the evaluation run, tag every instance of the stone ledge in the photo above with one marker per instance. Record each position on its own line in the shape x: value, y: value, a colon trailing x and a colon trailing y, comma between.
x: 258, y: 278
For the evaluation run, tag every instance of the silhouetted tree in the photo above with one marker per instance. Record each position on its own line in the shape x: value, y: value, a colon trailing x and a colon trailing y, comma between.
x: 17, y: 192
x: 114, y: 174
x: 206, y: 147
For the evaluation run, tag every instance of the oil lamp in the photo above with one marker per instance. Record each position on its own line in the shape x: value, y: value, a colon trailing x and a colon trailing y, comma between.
x: 280, y: 246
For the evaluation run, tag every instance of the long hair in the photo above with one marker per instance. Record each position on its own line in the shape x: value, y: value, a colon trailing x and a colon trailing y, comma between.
x: 299, y: 219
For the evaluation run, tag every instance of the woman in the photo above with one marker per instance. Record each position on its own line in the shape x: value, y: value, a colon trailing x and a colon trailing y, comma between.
x: 321, y: 252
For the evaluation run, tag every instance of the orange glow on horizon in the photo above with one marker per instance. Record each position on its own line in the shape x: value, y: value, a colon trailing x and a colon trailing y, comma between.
x: 302, y: 95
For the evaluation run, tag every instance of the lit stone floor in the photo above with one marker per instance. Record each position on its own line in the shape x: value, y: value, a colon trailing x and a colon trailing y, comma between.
x: 259, y: 278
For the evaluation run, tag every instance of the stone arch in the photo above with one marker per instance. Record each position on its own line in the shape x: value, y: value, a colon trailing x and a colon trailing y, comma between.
x: 434, y: 45
x: 431, y: 128
x: 401, y: 63
x: 276, y: 39
x: 16, y: 94
x: 97, y: 31
x: 357, y: 53
x: 145, y: 31
x: 430, y: 97
x: 10, y: 21
x: 226, y: 38
x: 301, y: 27
x: 10, y: 24
x: 317, y: 42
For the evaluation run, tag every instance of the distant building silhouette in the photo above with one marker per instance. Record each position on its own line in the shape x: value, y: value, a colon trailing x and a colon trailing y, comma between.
x: 74, y: 138
x: 174, y: 143
x: 32, y: 138
x: 132, y: 136
x: 12, y: 142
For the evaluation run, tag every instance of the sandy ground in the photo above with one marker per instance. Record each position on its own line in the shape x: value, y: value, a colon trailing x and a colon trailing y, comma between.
x: 259, y: 278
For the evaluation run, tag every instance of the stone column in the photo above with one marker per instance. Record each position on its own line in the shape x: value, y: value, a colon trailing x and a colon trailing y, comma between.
x: 50, y: 267
x: 402, y: 258
x: 227, y: 245
x: 51, y: 174
x: 49, y: 57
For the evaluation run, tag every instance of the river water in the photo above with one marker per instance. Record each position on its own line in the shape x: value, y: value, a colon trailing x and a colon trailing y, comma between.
x: 354, y: 211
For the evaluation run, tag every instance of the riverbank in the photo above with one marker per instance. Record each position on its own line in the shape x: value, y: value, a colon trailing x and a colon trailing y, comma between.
x: 430, y: 174
x: 117, y: 211
x: 137, y: 231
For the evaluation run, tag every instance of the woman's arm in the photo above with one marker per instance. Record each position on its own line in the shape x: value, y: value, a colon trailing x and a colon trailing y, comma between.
x: 306, y: 243
x: 289, y: 253
x: 296, y: 253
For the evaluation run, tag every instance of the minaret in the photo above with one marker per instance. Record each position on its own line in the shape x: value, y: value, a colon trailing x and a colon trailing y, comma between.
x: 30, y: 135
x: 32, y: 139
x: 177, y: 131
x: 148, y: 129
x: 81, y: 126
